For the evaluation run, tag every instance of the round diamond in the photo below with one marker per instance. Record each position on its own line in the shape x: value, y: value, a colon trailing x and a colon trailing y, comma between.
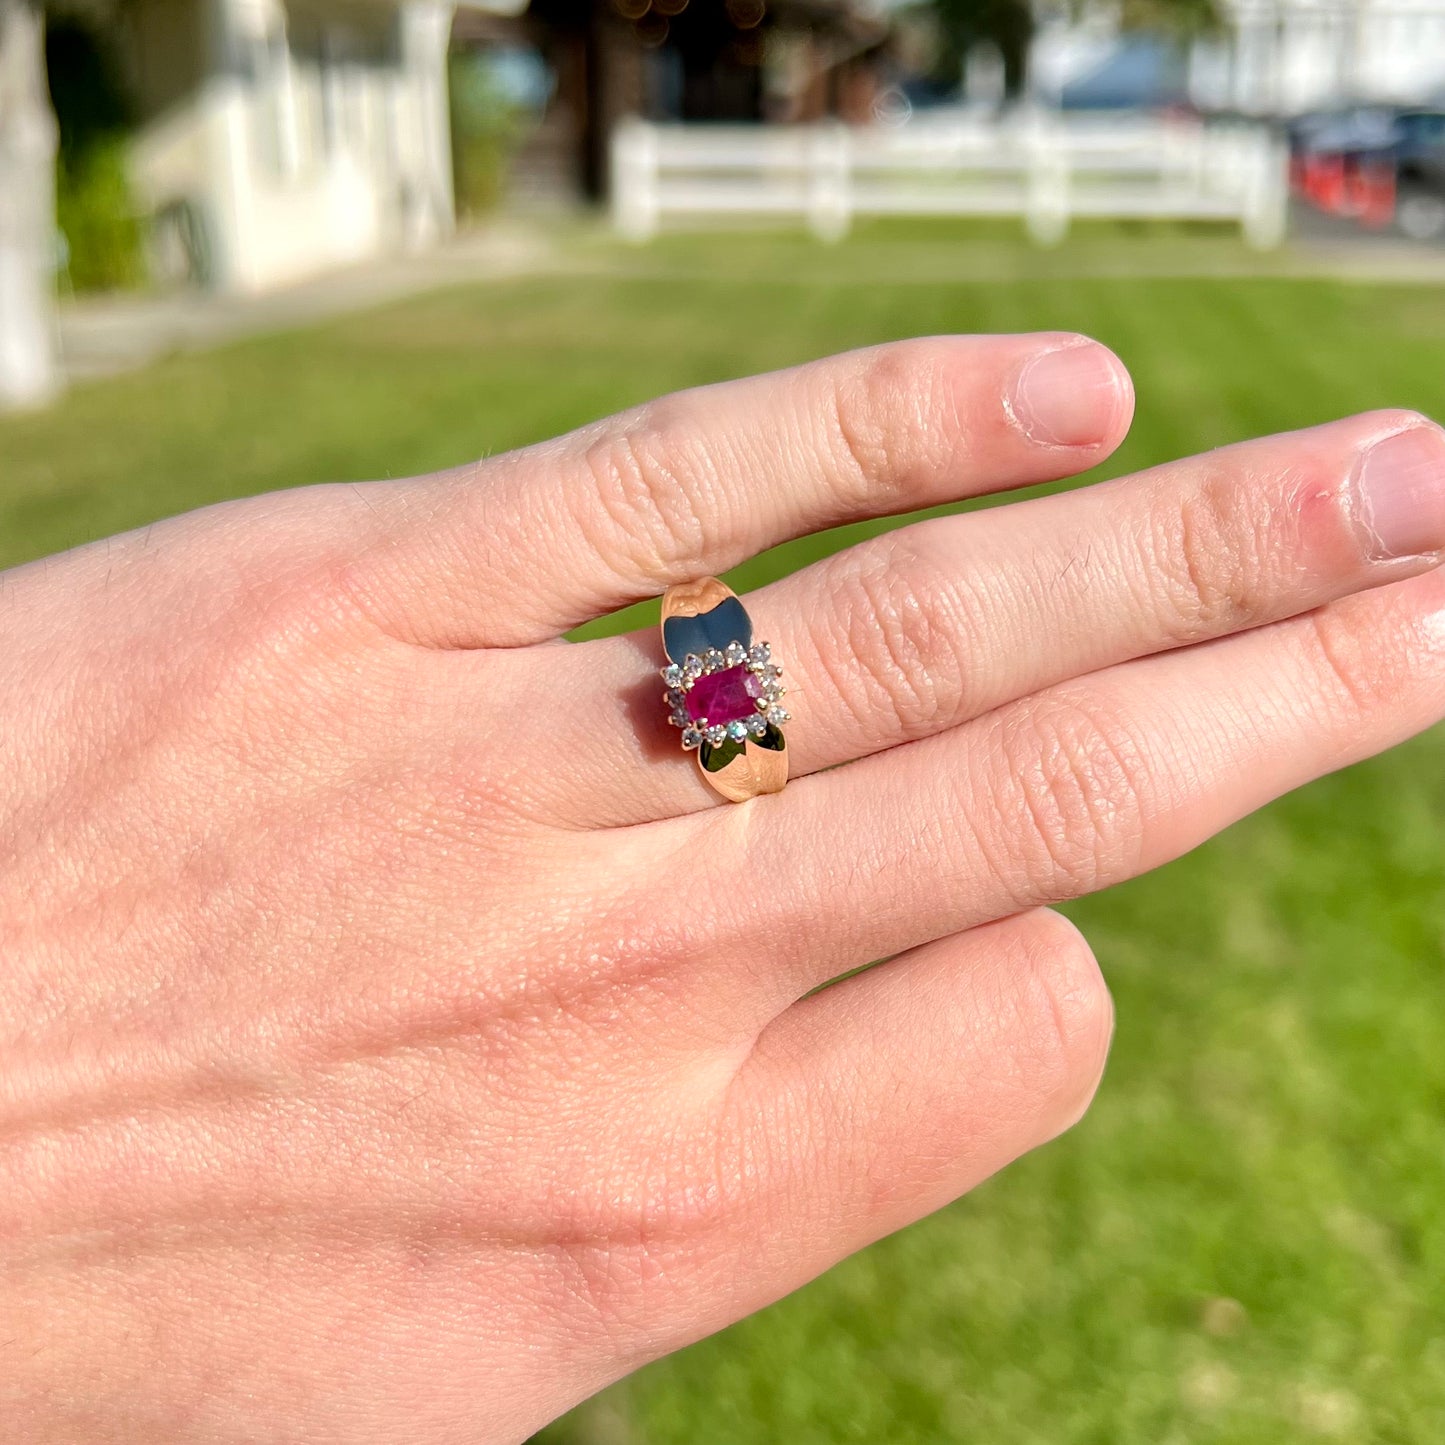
x: 716, y: 735
x: 736, y: 653
x: 691, y: 737
x: 757, y: 725
x: 738, y: 731
x: 759, y: 653
x: 681, y: 718
x: 672, y: 675
x: 712, y: 659
x: 778, y: 715
x: 692, y: 666
x: 675, y: 697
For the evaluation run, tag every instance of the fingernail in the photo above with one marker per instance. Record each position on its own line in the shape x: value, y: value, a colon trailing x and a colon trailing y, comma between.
x: 1400, y: 488
x: 1068, y: 397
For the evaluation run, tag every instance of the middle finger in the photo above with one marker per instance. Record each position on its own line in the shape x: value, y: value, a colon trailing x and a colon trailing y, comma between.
x: 927, y: 627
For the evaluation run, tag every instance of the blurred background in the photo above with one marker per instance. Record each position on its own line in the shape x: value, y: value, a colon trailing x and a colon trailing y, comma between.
x: 247, y: 244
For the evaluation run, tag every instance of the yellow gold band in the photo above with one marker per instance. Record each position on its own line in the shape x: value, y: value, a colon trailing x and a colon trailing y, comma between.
x: 724, y: 690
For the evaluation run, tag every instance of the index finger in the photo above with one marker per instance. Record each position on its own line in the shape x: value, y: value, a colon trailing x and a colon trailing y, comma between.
x: 518, y: 549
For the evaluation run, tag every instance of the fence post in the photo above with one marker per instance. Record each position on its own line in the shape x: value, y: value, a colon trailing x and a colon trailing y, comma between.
x: 635, y: 165
x: 1046, y: 204
x: 1265, y: 211
x: 830, y: 204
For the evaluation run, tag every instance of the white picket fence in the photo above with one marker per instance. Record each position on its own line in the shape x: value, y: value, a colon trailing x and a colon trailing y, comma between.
x: 1046, y: 168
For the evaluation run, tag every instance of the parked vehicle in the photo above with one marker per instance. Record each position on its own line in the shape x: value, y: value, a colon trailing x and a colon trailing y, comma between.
x: 1420, y: 175
x: 1381, y: 166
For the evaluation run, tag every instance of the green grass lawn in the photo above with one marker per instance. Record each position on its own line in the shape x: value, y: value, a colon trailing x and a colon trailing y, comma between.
x: 1245, y: 1240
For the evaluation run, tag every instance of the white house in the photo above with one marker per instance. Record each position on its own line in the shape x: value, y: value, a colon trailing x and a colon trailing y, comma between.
x: 279, y: 140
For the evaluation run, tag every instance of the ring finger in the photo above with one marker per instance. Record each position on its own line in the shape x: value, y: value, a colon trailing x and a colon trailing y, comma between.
x: 925, y: 628
x: 1063, y: 793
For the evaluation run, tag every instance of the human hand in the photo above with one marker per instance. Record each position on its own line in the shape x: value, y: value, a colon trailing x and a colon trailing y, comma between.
x: 398, y: 1041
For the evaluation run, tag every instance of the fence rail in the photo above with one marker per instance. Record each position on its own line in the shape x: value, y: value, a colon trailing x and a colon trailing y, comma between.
x: 1045, y: 168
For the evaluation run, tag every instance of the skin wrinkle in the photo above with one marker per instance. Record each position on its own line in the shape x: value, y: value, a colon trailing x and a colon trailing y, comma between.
x: 1347, y: 672
x: 636, y: 464
x: 1083, y: 1010
x: 1049, y: 770
x: 638, y: 511
x: 826, y: 661
x: 908, y: 640
x: 1216, y: 562
x: 864, y: 410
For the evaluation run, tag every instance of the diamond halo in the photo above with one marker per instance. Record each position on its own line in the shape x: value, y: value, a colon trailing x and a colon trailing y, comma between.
x: 728, y: 676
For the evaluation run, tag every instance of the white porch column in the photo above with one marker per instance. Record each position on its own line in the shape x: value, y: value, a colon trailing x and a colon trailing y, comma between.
x: 425, y: 32
x: 29, y: 364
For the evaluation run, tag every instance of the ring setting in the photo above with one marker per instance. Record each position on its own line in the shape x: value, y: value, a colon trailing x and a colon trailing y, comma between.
x: 732, y: 694
x: 723, y: 690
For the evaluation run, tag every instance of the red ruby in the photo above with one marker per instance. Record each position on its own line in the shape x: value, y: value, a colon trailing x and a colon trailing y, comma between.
x: 724, y: 697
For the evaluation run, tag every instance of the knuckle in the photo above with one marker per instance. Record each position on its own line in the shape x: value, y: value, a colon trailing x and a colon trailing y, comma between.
x: 1073, y: 799
x: 281, y: 625
x: 638, y: 503
x: 885, y: 414
x: 905, y: 630
x: 1072, y: 1012
x: 1211, y: 558
x: 621, y: 1254
x: 1356, y: 673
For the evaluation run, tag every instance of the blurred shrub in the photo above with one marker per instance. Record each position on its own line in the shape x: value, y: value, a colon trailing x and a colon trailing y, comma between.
x: 499, y: 96
x: 487, y: 126
x: 94, y: 207
x: 96, y: 213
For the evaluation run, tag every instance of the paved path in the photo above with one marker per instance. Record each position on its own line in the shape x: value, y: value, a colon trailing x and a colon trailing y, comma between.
x: 1328, y: 245
x: 102, y: 335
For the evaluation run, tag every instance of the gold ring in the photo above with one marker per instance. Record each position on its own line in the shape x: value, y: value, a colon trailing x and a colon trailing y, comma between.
x: 724, y: 691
